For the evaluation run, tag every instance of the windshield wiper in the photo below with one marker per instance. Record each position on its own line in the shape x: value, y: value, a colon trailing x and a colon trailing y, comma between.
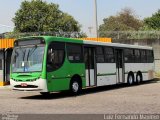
x: 30, y: 52
x: 16, y: 53
x: 22, y: 52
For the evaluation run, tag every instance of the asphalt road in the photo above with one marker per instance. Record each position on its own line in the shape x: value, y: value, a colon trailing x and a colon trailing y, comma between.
x: 119, y: 99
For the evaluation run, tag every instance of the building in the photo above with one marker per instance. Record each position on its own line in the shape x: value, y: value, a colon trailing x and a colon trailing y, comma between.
x: 6, y: 48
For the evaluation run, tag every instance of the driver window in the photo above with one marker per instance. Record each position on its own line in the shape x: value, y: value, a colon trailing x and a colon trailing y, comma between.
x: 55, y: 56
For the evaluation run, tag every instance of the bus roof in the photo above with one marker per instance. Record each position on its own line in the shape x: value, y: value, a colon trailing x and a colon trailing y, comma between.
x: 75, y: 40
x: 119, y: 45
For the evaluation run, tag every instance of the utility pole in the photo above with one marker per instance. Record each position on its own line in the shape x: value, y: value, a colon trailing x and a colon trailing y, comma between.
x: 90, y: 30
x: 96, y: 20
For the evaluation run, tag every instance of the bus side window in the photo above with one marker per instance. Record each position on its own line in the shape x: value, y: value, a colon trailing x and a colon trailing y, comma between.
x: 129, y: 56
x: 137, y: 56
x: 109, y: 55
x: 99, y: 55
x: 143, y: 56
x: 150, y: 57
x: 74, y: 53
x: 55, y: 57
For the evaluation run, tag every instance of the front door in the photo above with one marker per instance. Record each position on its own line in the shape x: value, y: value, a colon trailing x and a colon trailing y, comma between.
x: 90, y: 66
x: 56, y: 74
x: 119, y: 66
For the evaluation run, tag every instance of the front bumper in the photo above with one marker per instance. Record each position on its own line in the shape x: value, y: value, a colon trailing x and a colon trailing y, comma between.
x: 38, y: 85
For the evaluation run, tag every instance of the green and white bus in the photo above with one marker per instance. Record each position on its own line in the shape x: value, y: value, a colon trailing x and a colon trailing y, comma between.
x: 48, y: 64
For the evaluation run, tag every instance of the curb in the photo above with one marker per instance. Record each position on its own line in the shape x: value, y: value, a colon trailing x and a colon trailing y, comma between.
x: 5, y: 87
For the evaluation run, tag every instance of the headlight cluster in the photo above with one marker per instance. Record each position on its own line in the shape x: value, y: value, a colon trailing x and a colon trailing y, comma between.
x: 29, y: 80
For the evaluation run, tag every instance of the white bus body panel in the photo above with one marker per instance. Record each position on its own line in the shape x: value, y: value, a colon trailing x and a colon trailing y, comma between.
x: 87, y: 78
x: 92, y: 78
x: 90, y: 75
x: 106, y: 74
x: 147, y: 70
x: 119, y: 75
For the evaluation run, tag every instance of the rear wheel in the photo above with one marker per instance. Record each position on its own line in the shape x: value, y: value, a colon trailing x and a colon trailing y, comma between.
x: 139, y: 78
x: 130, y: 79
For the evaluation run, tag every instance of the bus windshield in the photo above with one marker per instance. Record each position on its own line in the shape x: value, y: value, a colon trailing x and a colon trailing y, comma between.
x: 27, y: 59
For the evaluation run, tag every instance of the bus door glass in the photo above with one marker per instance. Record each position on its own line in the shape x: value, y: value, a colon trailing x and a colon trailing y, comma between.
x: 90, y: 66
x: 119, y: 66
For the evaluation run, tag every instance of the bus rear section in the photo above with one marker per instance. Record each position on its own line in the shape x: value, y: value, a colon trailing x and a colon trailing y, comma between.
x: 139, y: 65
x: 113, y: 63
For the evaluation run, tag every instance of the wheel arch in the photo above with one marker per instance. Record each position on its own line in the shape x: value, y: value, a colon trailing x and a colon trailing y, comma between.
x: 139, y: 72
x: 131, y: 73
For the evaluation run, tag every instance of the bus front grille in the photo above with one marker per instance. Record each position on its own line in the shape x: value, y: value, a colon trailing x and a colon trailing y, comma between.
x: 28, y: 86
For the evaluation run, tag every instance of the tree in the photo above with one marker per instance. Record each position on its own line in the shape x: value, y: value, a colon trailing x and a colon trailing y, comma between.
x: 125, y: 20
x: 39, y: 16
x: 152, y: 23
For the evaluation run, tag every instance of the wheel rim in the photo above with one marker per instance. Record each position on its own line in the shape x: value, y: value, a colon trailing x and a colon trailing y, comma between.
x: 75, y: 87
x: 130, y: 80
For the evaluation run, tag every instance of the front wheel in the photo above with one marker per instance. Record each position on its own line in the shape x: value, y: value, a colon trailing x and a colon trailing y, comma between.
x: 75, y: 87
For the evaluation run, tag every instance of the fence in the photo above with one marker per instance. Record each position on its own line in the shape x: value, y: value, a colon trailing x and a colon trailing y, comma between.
x: 131, y: 34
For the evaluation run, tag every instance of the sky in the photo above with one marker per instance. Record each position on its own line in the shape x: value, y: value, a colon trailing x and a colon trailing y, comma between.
x: 82, y: 10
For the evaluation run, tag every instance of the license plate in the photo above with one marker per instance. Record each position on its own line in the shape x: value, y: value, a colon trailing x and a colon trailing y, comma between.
x: 24, y: 84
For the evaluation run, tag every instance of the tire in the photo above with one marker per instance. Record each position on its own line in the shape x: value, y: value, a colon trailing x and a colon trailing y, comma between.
x: 139, y: 78
x: 130, y: 79
x: 75, y: 87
